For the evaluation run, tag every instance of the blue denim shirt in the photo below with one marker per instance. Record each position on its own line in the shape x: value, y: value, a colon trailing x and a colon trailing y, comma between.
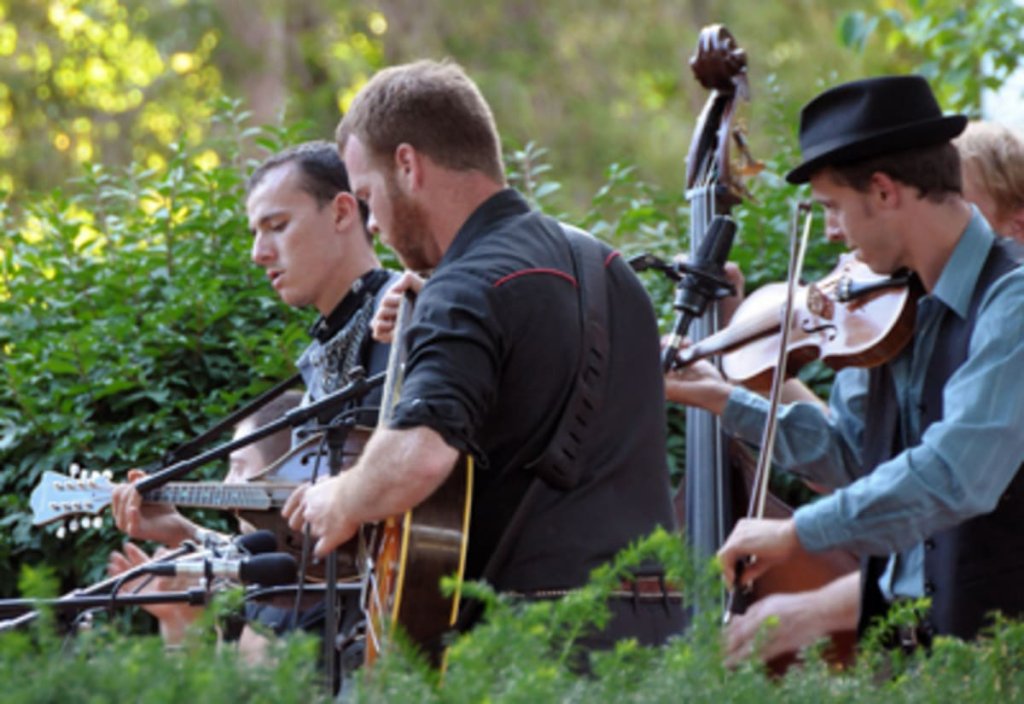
x: 957, y: 469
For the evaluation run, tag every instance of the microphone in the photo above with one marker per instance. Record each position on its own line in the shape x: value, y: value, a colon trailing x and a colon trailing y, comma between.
x: 255, y: 543
x: 704, y: 282
x: 269, y: 570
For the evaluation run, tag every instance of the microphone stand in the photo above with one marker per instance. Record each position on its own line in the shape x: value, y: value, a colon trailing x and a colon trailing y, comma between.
x: 100, y: 588
x: 193, y: 597
x: 336, y: 434
x: 328, y: 406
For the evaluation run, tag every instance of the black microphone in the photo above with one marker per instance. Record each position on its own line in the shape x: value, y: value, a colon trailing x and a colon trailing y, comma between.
x: 256, y: 543
x: 268, y: 570
x: 704, y: 282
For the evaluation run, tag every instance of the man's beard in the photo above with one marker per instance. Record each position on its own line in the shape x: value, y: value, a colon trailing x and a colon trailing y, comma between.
x: 409, y: 236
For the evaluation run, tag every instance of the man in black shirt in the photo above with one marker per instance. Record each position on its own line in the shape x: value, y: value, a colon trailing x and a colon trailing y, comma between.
x: 495, y: 345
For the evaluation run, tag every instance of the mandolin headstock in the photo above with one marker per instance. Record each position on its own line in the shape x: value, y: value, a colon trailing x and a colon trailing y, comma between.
x: 78, y: 496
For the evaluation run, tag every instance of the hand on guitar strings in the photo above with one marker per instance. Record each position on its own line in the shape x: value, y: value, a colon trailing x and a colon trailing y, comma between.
x: 761, y: 543
x: 383, y: 323
x: 147, y: 521
x: 320, y: 507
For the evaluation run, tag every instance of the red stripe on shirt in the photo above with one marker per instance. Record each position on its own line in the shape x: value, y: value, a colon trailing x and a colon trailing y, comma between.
x: 526, y: 272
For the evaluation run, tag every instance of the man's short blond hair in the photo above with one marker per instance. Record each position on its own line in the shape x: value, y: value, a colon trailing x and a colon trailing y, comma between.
x: 432, y: 106
x: 996, y: 155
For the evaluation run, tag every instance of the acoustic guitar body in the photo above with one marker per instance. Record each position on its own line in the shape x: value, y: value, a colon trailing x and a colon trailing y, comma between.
x: 412, y: 553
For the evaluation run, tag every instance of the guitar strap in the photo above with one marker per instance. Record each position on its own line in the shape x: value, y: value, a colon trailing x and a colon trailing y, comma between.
x: 560, y: 465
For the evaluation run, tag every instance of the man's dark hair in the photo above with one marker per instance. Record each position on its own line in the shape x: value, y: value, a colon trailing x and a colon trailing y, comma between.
x: 933, y: 170
x: 322, y: 171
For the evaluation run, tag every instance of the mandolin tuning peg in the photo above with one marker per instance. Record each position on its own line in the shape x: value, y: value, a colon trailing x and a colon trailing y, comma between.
x: 97, y: 522
x: 107, y: 474
x: 62, y: 532
x: 74, y: 469
x: 73, y: 525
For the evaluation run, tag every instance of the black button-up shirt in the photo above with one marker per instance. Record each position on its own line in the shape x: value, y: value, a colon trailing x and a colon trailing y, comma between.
x: 494, y: 345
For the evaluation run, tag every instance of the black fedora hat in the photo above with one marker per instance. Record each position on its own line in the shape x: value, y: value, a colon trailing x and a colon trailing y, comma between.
x: 869, y: 118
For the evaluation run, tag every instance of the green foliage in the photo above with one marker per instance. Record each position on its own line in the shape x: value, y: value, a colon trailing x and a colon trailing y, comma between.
x: 101, y: 664
x: 962, y: 49
x: 523, y: 653
x: 122, y: 81
x: 132, y: 317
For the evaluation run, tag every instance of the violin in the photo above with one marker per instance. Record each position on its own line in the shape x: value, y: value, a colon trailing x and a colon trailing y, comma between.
x: 851, y: 317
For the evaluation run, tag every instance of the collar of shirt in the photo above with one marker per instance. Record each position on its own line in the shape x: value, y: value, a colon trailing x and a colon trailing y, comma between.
x: 366, y: 285
x: 503, y: 204
x: 956, y: 282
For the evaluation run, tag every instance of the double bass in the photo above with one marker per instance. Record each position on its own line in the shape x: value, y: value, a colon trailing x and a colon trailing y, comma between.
x: 704, y: 503
x: 720, y: 474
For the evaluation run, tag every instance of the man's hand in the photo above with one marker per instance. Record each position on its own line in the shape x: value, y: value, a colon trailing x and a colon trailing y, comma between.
x: 399, y: 468
x: 699, y: 384
x: 790, y: 622
x: 766, y: 541
x: 160, y: 523
x: 174, y: 618
x: 320, y: 506
x: 383, y: 323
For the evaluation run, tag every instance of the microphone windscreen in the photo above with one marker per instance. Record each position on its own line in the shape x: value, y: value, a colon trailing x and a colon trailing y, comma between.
x: 257, y: 543
x: 714, y: 248
x: 269, y: 570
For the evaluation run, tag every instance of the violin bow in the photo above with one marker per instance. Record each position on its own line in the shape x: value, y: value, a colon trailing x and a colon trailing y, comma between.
x: 738, y: 596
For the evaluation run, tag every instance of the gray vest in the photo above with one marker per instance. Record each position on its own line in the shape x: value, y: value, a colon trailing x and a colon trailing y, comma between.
x: 972, y: 568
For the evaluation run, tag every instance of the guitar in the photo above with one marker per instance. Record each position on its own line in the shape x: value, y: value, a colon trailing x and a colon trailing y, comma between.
x: 257, y: 501
x: 408, y: 555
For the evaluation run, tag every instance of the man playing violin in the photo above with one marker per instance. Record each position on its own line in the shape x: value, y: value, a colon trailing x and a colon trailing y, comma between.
x: 992, y: 171
x: 924, y: 450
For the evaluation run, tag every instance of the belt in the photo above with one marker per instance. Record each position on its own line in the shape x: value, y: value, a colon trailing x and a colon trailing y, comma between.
x: 646, y: 588
x: 910, y: 638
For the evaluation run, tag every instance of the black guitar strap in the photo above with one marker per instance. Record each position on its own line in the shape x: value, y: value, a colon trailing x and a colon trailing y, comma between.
x: 559, y: 466
x: 561, y: 463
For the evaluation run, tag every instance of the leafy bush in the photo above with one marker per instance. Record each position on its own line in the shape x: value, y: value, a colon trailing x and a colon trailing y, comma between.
x: 131, y: 317
x: 521, y: 653
x: 102, y: 664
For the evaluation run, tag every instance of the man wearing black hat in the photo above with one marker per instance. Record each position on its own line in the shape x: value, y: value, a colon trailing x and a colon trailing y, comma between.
x: 924, y: 451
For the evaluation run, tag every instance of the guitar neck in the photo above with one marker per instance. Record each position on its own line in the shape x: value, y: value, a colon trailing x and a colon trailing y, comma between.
x: 245, y: 497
